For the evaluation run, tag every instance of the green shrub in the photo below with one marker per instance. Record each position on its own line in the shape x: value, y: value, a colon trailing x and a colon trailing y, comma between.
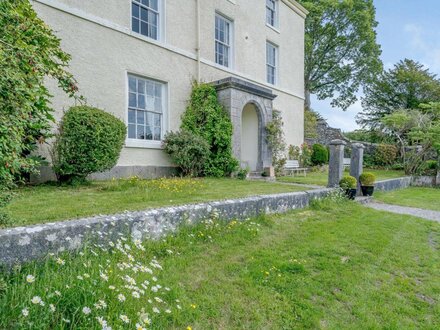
x: 188, y: 151
x: 242, y: 173
x: 276, y: 142
x: 206, y: 117
x: 385, y: 155
x: 348, y: 182
x: 294, y: 152
x: 319, y: 154
x: 306, y: 155
x: 430, y: 167
x: 89, y: 140
x: 367, y: 179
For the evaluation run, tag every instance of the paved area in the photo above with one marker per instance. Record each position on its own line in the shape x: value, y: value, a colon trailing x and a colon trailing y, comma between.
x: 421, y: 213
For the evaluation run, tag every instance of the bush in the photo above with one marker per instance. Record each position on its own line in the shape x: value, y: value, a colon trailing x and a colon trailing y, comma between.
x: 276, y: 142
x: 430, y: 167
x: 89, y: 140
x: 306, y: 155
x: 348, y: 182
x: 367, y: 179
x: 319, y: 154
x: 385, y: 155
x: 188, y: 151
x: 242, y: 173
x: 206, y: 117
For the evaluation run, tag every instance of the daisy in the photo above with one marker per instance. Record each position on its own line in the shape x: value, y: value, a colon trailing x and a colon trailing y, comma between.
x: 124, y: 318
x: 52, y: 308
x: 136, y: 295
x: 86, y: 310
x: 156, y: 310
x: 60, y: 261
x: 121, y: 297
x: 25, y: 312
x: 36, y: 300
x: 30, y: 279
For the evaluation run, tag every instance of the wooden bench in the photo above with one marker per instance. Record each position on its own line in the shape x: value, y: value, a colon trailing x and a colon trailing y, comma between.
x: 292, y: 167
x: 347, y: 162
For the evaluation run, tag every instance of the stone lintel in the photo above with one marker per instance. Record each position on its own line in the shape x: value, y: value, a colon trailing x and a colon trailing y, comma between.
x: 245, y: 86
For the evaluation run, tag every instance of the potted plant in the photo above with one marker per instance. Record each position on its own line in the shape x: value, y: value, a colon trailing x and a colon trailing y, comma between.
x: 367, y: 181
x: 349, y: 184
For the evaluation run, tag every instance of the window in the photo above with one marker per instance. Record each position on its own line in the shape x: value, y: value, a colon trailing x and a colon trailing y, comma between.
x: 271, y: 12
x: 223, y: 37
x: 145, y: 17
x: 271, y: 62
x: 145, y: 109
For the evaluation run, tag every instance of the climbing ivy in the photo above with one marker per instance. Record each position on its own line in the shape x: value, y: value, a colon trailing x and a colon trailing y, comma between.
x: 276, y: 142
x: 206, y: 117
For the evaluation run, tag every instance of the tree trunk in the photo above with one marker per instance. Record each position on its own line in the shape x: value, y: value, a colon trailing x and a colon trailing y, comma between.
x: 307, y: 102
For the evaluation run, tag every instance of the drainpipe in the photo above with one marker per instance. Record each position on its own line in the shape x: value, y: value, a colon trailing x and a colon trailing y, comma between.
x: 198, y: 39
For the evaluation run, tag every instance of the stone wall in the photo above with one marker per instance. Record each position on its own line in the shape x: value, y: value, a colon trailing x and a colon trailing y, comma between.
x: 393, y: 184
x: 27, y: 243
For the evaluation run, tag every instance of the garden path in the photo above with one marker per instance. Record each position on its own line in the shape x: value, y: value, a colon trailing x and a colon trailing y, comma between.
x: 421, y: 213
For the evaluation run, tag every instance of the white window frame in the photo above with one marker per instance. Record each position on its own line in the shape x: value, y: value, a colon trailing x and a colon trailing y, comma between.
x: 275, y: 65
x: 231, y: 41
x: 141, y: 143
x: 160, y: 19
x: 275, y: 13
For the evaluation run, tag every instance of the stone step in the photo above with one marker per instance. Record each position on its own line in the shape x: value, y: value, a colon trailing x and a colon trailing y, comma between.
x: 364, y: 199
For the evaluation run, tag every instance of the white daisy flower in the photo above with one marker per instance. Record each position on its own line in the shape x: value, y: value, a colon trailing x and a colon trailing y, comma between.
x: 36, y: 300
x: 86, y: 310
x: 156, y: 310
x: 25, y: 312
x: 124, y: 318
x: 136, y: 295
x: 140, y: 327
x: 30, y: 279
x: 52, y: 308
x: 60, y: 261
x: 121, y: 297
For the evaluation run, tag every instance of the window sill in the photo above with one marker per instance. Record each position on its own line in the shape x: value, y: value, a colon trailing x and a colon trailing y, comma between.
x: 133, y: 143
x: 273, y: 28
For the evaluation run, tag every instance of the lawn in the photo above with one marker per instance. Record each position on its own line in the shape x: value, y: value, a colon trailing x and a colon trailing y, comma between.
x: 424, y: 198
x: 334, y: 266
x: 321, y: 178
x: 47, y: 203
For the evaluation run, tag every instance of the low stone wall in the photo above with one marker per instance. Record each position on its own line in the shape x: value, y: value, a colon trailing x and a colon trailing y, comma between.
x: 393, y: 184
x: 426, y: 181
x: 27, y: 243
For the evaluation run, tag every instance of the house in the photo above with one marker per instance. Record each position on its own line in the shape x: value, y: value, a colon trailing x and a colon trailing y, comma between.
x: 137, y: 59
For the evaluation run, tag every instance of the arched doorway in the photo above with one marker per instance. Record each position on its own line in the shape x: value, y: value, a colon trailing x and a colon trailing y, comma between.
x: 249, y: 137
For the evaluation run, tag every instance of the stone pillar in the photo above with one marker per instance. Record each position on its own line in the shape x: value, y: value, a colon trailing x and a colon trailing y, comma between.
x: 357, y: 163
x: 336, y: 163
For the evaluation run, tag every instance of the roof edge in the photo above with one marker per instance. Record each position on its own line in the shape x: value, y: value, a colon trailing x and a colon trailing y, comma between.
x: 296, y: 7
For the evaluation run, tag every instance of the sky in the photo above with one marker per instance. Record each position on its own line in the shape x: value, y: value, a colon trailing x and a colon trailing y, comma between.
x: 407, y: 29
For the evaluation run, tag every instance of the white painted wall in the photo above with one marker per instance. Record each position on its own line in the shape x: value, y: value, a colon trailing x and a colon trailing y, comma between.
x: 98, y: 36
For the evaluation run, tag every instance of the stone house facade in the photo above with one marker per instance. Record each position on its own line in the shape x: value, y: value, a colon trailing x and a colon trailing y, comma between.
x: 137, y: 59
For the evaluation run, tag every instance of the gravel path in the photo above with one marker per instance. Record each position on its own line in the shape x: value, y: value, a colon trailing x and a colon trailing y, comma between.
x: 421, y: 213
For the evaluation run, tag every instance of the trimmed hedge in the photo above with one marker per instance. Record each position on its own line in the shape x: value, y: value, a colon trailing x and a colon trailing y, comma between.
x: 89, y: 140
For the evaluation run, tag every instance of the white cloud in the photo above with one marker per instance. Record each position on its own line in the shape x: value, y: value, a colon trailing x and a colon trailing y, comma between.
x: 428, y: 45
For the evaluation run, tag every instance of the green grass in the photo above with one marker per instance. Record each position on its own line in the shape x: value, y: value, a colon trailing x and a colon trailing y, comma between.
x: 321, y: 178
x: 48, y: 203
x: 424, y: 198
x: 335, y: 266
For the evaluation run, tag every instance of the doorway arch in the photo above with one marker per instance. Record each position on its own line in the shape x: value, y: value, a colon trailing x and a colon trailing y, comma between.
x: 250, y: 144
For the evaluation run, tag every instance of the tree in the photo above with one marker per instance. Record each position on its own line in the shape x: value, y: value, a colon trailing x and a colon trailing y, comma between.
x: 311, y: 119
x: 29, y: 53
x: 405, y: 86
x: 341, y: 52
x: 419, y: 127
